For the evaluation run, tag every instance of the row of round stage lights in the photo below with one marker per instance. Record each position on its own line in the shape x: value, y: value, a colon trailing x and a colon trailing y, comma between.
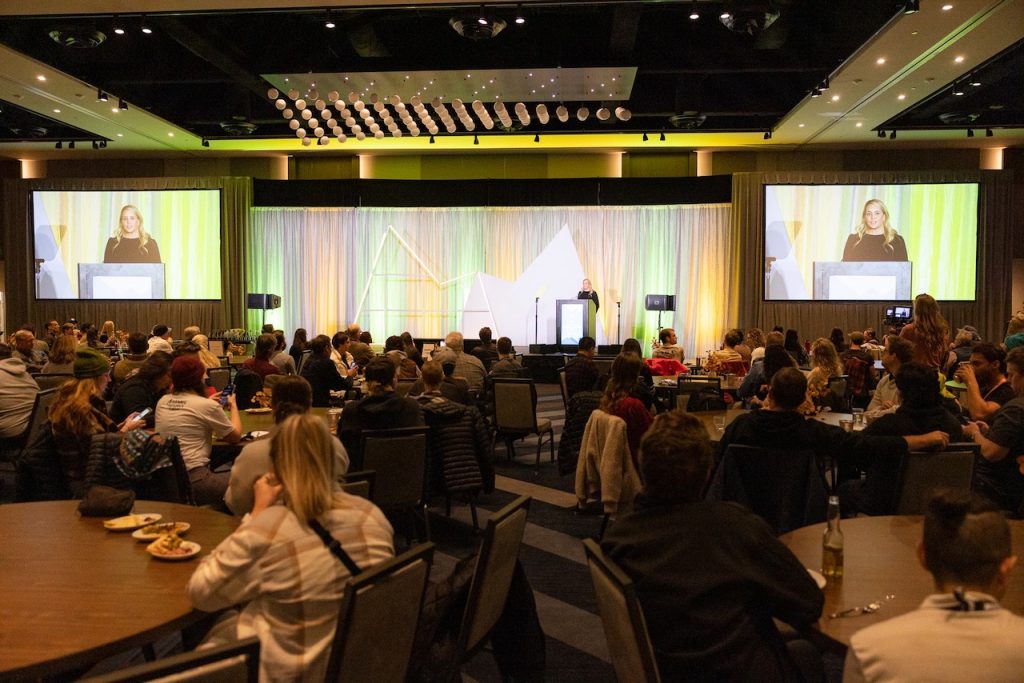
x: 325, y: 121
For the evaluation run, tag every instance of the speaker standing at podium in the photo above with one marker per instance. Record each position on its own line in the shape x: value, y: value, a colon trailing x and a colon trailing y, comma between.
x: 131, y: 243
x: 587, y: 292
x: 875, y: 239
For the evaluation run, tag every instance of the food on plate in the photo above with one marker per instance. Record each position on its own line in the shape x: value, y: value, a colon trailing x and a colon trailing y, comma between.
x: 170, y: 545
x: 153, y: 531
x: 129, y: 522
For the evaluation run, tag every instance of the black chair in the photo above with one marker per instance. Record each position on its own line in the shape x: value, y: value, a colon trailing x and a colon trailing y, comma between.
x: 925, y: 472
x: 11, y: 448
x: 360, y: 483
x: 787, y: 488
x: 52, y: 380
x: 306, y: 353
x: 515, y: 415
x: 625, y: 629
x: 699, y: 393
x: 234, y: 662
x: 219, y: 377
x: 399, y: 458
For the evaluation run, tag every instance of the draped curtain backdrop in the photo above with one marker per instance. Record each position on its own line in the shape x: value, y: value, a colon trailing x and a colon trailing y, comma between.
x: 421, y: 269
x: 988, y: 313
x: 236, y: 201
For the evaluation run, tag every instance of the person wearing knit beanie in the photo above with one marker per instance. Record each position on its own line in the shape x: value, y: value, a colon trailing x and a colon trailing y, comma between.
x: 187, y: 373
x: 90, y: 363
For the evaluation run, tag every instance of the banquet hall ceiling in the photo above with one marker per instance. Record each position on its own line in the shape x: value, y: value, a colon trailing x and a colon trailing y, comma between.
x: 202, y: 73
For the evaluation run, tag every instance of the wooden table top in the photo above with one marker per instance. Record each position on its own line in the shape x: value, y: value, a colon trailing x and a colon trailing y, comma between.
x: 881, y: 559
x: 73, y: 593
x: 265, y: 421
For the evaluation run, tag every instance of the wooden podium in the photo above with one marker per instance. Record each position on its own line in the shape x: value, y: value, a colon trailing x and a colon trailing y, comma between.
x: 574, y: 319
x: 862, y: 280
x: 121, y: 281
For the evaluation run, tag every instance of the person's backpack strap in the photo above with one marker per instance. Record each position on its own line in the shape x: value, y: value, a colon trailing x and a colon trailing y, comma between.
x: 332, y: 544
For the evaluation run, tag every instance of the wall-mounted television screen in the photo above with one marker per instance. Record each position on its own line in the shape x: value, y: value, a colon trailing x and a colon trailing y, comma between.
x: 870, y: 242
x: 127, y: 244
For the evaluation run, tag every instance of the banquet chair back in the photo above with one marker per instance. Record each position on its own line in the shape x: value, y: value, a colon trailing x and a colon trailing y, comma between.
x: 306, y: 353
x: 219, y: 377
x: 232, y: 663
x: 925, y: 472
x: 39, y: 416
x: 839, y: 387
x: 699, y: 392
x: 399, y: 458
x: 51, y: 381
x: 378, y: 618
x: 359, y: 483
x: 625, y: 629
x: 604, y: 366
x: 564, y: 386
x: 515, y: 415
x: 492, y: 575
x: 270, y: 380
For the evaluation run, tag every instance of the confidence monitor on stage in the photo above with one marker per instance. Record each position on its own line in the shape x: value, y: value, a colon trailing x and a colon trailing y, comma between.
x: 574, y: 319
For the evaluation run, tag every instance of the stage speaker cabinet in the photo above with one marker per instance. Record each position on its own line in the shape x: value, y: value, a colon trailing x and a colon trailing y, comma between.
x: 263, y: 301
x: 660, y: 302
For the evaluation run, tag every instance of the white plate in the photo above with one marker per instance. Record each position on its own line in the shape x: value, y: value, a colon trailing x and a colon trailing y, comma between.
x: 818, y: 578
x: 177, y: 527
x: 192, y: 548
x: 258, y: 411
x: 132, y: 522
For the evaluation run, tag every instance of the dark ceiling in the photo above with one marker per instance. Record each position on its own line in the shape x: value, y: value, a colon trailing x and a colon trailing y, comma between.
x: 201, y: 70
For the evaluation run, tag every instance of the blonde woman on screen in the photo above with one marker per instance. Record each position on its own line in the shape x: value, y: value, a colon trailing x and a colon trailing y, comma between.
x: 875, y: 238
x: 131, y: 243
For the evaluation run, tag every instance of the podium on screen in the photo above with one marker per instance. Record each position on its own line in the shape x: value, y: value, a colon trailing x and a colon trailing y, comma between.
x: 121, y: 281
x: 862, y: 280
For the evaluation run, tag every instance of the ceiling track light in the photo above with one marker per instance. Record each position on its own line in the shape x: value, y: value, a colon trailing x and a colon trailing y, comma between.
x: 206, y: 143
x: 103, y: 144
x: 988, y: 132
x: 121, y: 104
x: 662, y: 137
x: 145, y: 26
x: 816, y: 92
x: 482, y: 18
x: 328, y: 22
x: 476, y: 140
x: 71, y: 145
x: 694, y: 14
x: 824, y: 85
x: 95, y: 144
x: 892, y: 135
x: 767, y: 135
x: 536, y: 138
x: 118, y: 27
x: 645, y: 137
x: 881, y: 134
x: 520, y: 19
x: 958, y: 90
x: 59, y: 145
x: 911, y: 6
x: 970, y: 132
x: 100, y: 95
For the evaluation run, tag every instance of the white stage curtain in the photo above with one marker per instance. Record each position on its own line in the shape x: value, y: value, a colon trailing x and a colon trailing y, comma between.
x: 420, y: 263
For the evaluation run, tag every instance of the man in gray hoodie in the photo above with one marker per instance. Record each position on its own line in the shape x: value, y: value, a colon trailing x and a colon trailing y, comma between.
x: 17, y: 394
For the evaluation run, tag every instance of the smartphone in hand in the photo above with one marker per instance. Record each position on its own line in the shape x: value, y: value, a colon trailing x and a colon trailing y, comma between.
x: 228, y: 390
x: 144, y: 413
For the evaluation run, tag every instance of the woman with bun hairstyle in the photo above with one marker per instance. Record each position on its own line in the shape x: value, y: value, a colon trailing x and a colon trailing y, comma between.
x: 131, y: 243
x: 292, y: 396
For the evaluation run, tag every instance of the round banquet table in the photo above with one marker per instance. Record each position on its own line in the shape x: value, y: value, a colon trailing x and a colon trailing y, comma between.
x: 881, y: 559
x: 73, y: 593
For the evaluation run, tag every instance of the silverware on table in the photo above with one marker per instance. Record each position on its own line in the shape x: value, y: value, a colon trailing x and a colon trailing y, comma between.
x: 862, y: 609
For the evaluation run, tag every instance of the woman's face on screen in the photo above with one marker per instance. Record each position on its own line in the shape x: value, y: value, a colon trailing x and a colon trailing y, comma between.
x: 129, y: 222
x: 874, y: 217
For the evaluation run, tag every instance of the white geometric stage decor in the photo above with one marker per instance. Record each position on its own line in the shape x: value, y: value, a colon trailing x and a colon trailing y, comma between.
x: 508, y: 307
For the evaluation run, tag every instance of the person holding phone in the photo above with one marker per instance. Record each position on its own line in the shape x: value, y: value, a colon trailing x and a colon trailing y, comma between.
x: 143, y: 389
x: 196, y: 420
x: 131, y: 243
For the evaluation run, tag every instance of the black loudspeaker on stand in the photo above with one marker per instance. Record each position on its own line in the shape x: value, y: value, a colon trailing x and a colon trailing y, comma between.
x: 659, y: 303
x: 262, y: 302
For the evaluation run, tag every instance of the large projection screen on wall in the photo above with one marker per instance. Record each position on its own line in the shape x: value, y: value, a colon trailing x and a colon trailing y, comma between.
x: 870, y: 242
x: 127, y: 244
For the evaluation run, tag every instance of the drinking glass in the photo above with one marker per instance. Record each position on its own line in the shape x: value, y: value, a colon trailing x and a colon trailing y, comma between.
x: 719, y: 421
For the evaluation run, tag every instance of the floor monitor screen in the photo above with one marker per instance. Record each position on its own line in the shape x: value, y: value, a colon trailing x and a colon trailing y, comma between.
x: 127, y: 244
x: 870, y: 242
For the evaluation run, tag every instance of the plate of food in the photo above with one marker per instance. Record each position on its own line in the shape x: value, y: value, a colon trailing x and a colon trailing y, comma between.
x: 818, y: 578
x: 151, y: 532
x: 131, y: 522
x: 171, y: 547
x: 258, y: 411
x: 953, y: 384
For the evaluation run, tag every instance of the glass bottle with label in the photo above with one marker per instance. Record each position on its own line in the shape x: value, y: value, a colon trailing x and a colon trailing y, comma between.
x: 832, y: 542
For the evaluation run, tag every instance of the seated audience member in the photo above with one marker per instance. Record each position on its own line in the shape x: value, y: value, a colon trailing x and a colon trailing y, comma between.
x: 206, y: 357
x: 581, y: 372
x: 143, y: 389
x: 360, y: 349
x: 26, y: 351
x: 709, y: 607
x: 824, y: 364
x: 394, y: 351
x: 754, y: 388
x: 506, y: 364
x: 871, y: 342
x: 487, y: 352
x: 260, y: 361
x: 90, y: 336
x: 382, y: 408
x: 452, y: 388
x: 138, y: 352
x: 667, y: 347
x: 467, y: 367
x: 859, y: 367
x: 321, y: 372
x: 898, y: 352
x: 161, y: 339
x: 996, y: 475
x: 292, y: 395
x: 340, y: 344
x: 920, y: 411
x: 108, y: 338
x: 70, y: 329
x: 633, y: 346
x: 838, y: 339
x: 779, y: 425
x: 280, y: 357
x: 299, y: 342
x: 795, y: 348
x: 432, y: 379
x: 1014, y: 332
x: 196, y: 420
x: 756, y: 343
x: 78, y: 413
x: 618, y: 400
x: 960, y: 352
x: 52, y: 333
x: 409, y: 345
x: 17, y: 394
x: 277, y: 564
x: 960, y: 631
x: 190, y: 332
x: 61, y: 360
x: 985, y: 377
x: 728, y: 352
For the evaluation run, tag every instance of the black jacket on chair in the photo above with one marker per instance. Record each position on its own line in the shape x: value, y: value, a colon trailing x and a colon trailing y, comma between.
x: 459, y: 447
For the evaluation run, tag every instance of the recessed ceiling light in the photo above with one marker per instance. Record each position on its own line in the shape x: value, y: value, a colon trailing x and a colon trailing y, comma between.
x: 913, y: 33
x: 170, y: 135
x: 56, y: 111
x: 724, y: 15
x: 880, y: 60
x: 120, y: 135
x: 958, y: 59
x: 115, y: 110
x: 835, y: 98
x: 147, y: 30
x: 800, y: 126
x: 40, y: 77
x: 859, y: 124
x: 694, y: 16
x: 901, y: 97
x: 947, y: 7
